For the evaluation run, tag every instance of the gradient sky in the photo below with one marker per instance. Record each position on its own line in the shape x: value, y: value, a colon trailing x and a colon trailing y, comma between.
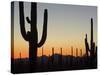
x: 67, y: 26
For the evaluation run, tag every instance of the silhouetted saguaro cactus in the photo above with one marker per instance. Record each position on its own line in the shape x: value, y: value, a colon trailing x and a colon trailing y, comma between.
x: 20, y: 55
x: 53, y: 51
x: 72, y: 51
x: 94, y: 48
x: 61, y: 52
x: 52, y: 55
x: 77, y: 56
x: 71, y: 61
x: 81, y: 52
x: 76, y: 52
x: 32, y: 35
x: 92, y: 44
x: 60, y: 58
x: 86, y: 46
x: 91, y: 41
x: 49, y: 61
x: 81, y: 57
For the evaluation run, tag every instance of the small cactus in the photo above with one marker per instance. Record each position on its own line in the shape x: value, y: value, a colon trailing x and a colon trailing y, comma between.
x: 86, y: 46
x: 60, y: 58
x: 81, y: 52
x: 72, y: 51
x: 20, y: 55
x: 76, y: 52
x: 52, y: 55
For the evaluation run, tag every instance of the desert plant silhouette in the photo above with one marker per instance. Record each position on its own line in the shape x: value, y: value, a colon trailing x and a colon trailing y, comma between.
x: 20, y: 55
x: 92, y: 47
x: 81, y: 52
x: 32, y: 35
x: 52, y: 55
x: 86, y: 45
x: 60, y: 58
x: 76, y: 52
x: 72, y: 51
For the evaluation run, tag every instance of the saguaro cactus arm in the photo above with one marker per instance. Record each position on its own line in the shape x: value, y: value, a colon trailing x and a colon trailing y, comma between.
x: 44, y: 35
x: 28, y: 20
x: 22, y: 21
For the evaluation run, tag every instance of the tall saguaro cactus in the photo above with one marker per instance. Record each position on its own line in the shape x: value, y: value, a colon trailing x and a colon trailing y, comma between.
x: 92, y: 47
x: 32, y: 35
x: 92, y: 43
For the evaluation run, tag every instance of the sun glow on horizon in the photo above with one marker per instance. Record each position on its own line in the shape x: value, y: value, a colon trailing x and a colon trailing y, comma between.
x: 47, y: 51
x: 67, y: 26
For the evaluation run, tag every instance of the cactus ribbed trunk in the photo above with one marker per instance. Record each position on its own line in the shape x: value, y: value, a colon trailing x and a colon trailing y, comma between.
x: 91, y: 42
x: 33, y: 38
x: 32, y: 35
x: 32, y: 57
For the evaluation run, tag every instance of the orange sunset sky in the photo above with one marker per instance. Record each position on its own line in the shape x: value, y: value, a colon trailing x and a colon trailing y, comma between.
x: 67, y: 26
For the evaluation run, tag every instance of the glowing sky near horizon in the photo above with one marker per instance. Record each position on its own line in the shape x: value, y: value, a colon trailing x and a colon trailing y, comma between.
x: 67, y: 26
